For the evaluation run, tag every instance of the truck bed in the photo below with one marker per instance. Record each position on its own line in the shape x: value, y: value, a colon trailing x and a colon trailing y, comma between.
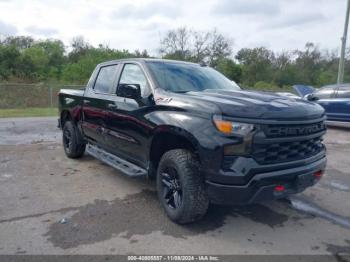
x: 71, y: 100
x: 72, y: 92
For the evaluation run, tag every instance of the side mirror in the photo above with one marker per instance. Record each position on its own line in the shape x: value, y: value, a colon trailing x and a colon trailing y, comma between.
x: 311, y: 97
x: 132, y: 91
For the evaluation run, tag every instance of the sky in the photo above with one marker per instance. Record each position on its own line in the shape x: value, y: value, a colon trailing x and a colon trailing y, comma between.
x: 139, y: 24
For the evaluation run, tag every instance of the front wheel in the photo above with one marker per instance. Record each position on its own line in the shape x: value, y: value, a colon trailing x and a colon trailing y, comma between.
x: 180, y: 187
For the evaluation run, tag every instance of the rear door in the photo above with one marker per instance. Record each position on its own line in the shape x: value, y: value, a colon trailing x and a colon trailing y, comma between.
x: 96, y: 100
x: 128, y: 130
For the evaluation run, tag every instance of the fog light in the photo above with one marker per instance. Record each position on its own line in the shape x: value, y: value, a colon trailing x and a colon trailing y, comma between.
x: 279, y: 188
x: 318, y: 174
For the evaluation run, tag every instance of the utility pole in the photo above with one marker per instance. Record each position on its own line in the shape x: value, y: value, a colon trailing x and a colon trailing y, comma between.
x: 343, y: 46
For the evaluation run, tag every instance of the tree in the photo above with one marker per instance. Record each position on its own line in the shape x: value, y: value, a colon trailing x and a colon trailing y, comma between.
x: 143, y: 54
x: 36, y: 60
x: 79, y: 48
x: 55, y: 50
x: 195, y: 46
x: 256, y: 65
x: 23, y: 58
x: 230, y: 69
x: 285, y: 72
x: 9, y: 61
x: 219, y: 47
x: 176, y: 42
x: 20, y: 42
x: 309, y: 64
x: 200, y: 46
x: 79, y: 72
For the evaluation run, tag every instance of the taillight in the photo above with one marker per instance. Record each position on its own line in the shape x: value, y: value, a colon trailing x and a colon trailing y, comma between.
x: 318, y: 174
x: 279, y: 188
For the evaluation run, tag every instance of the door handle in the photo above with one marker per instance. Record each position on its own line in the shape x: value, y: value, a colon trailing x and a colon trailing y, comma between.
x: 112, y: 106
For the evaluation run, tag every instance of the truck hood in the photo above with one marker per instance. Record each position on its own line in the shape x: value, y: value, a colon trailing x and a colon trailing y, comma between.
x: 262, y: 105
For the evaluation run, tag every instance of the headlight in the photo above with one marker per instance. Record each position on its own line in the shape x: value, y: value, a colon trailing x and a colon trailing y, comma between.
x: 230, y: 127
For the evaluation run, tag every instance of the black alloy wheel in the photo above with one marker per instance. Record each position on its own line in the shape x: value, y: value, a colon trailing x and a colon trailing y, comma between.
x: 181, y: 188
x: 67, y: 140
x: 172, y: 190
x: 73, y: 141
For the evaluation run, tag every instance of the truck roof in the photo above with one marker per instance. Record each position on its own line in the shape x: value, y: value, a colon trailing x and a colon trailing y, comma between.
x: 145, y: 60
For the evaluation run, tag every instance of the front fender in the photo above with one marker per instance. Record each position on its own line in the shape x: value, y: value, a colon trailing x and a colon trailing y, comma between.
x: 199, y: 130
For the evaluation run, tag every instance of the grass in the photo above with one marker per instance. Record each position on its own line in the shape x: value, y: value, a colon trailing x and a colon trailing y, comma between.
x: 29, y: 111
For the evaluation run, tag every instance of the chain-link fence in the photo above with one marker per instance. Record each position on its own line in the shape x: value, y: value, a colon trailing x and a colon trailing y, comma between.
x: 30, y: 95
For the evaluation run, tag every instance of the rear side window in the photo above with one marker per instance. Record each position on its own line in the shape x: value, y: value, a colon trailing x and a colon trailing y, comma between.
x: 106, y: 79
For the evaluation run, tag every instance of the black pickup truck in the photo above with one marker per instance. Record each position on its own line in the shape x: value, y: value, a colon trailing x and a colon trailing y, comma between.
x: 195, y: 131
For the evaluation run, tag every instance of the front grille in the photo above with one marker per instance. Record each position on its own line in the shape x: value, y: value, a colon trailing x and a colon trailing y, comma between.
x: 278, y: 130
x: 287, y: 151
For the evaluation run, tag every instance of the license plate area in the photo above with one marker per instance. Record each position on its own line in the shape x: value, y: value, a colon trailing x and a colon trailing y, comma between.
x: 305, y: 180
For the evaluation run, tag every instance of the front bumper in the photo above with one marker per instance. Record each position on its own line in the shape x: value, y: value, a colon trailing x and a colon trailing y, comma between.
x: 261, y: 186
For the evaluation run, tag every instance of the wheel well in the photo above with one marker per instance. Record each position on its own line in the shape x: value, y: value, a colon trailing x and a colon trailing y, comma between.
x: 164, y: 142
x: 65, y: 116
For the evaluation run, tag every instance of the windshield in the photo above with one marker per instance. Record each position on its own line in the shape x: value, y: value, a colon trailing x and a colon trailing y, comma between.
x: 182, y: 77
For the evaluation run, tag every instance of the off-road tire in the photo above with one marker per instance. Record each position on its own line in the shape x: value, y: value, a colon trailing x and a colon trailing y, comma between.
x: 75, y: 147
x: 194, y: 198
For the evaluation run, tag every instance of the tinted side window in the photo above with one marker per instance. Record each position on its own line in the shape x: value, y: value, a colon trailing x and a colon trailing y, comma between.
x: 132, y: 74
x: 325, y: 93
x: 105, y: 79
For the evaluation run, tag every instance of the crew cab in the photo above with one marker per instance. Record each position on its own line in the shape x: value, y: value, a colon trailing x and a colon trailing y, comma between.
x: 196, y: 132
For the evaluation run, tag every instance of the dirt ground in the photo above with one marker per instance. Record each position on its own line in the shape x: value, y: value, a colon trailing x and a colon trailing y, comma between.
x: 50, y: 204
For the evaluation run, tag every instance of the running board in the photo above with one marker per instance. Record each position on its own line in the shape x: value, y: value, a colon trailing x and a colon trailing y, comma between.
x: 122, y: 165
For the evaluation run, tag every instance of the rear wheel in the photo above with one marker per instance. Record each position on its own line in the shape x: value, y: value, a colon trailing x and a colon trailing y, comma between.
x: 73, y: 142
x: 180, y: 187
